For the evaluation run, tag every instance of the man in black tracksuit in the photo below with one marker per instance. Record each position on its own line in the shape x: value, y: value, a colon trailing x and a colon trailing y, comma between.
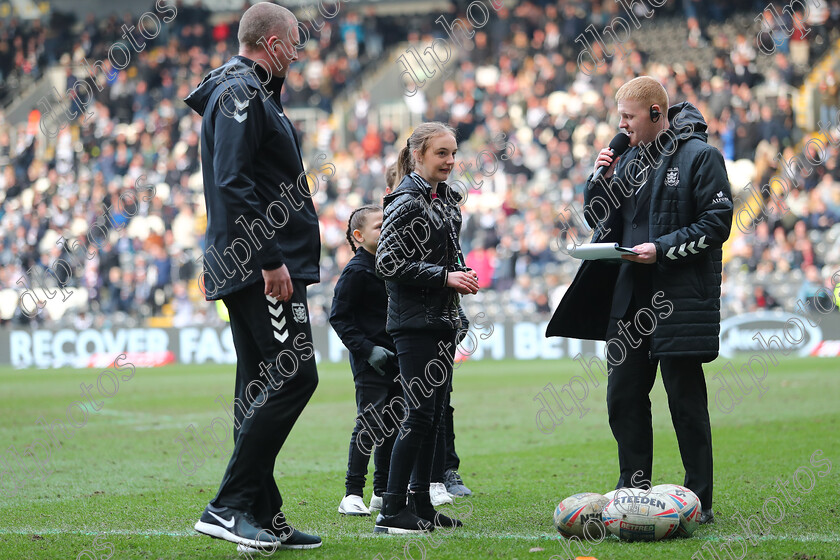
x: 661, y: 307
x: 262, y: 250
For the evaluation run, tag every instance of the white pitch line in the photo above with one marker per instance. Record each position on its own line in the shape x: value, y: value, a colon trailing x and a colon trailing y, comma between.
x: 108, y: 532
x: 483, y: 536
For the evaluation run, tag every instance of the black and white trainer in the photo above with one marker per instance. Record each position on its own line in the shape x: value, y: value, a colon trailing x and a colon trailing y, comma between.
x: 235, y: 526
x: 289, y: 537
x: 396, y: 517
x: 297, y: 541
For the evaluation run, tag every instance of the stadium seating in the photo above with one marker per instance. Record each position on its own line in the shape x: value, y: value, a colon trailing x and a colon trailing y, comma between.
x: 520, y: 79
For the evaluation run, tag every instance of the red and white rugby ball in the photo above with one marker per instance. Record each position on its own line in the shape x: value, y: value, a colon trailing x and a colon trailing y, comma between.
x: 611, y: 494
x: 688, y: 504
x: 579, y: 515
x: 641, y: 515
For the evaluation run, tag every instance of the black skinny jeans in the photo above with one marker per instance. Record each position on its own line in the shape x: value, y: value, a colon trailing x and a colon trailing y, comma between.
x: 425, y: 358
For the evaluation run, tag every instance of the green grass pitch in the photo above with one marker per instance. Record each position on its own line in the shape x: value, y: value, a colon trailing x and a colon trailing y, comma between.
x: 116, y: 482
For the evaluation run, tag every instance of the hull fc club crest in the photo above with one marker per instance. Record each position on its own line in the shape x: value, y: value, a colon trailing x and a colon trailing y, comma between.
x: 300, y: 312
x: 672, y: 177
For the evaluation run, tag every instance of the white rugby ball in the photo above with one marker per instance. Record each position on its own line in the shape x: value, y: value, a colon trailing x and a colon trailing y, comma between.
x: 611, y: 494
x: 688, y: 504
x: 641, y: 515
x: 579, y: 515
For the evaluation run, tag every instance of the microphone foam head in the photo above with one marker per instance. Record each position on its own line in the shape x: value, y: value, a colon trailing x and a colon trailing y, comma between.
x: 620, y: 143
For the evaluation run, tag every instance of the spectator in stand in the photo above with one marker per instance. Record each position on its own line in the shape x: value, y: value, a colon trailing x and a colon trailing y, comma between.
x: 763, y: 300
x: 481, y: 260
x: 799, y: 49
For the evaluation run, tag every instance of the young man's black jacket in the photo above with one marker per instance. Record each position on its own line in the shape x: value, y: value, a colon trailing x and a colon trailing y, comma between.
x: 690, y: 216
x: 359, y: 308
x: 259, y: 210
x: 416, y: 253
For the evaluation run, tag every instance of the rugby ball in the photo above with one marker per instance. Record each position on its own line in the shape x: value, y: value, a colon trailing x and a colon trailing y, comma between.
x: 687, y: 503
x: 641, y: 515
x: 579, y: 515
x: 611, y: 494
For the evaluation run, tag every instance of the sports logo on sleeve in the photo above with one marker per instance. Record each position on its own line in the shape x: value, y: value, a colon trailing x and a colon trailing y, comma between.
x: 240, y: 106
x: 278, y: 322
x: 689, y: 246
x: 720, y: 197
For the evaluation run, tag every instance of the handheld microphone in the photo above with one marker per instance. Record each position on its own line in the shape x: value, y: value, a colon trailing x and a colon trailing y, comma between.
x: 618, y: 145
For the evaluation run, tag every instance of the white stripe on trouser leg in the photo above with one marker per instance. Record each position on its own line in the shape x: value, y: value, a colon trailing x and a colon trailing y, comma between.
x: 275, y: 307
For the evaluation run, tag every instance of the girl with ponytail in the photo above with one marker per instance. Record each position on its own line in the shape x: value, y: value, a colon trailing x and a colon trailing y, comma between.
x: 419, y: 256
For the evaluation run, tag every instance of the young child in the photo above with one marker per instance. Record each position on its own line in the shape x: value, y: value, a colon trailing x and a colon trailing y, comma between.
x: 358, y: 315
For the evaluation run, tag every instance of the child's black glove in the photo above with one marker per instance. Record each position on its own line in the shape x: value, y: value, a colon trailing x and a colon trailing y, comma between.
x: 379, y: 358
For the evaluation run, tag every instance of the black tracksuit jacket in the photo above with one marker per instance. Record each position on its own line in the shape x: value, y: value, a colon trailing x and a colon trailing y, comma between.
x: 259, y: 209
x: 690, y: 219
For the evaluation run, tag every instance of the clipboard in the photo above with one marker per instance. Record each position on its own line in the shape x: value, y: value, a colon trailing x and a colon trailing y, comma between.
x: 599, y: 251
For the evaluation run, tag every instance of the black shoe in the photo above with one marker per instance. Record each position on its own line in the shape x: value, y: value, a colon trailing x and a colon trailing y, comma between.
x: 235, y: 526
x: 300, y: 540
x: 289, y: 537
x: 421, y: 506
x: 297, y: 541
x: 396, y: 517
x: 707, y: 516
x: 454, y: 484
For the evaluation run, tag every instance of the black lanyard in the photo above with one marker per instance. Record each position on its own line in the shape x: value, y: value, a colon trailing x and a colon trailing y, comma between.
x: 453, y: 235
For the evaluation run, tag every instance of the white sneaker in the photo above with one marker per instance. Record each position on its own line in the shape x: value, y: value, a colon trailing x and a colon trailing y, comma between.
x: 375, y: 502
x: 353, y: 505
x: 438, y: 494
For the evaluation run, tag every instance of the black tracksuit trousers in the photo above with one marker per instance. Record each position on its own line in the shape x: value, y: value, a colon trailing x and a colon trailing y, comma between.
x: 426, y: 358
x: 275, y: 377
x: 628, y: 403
x: 374, y: 428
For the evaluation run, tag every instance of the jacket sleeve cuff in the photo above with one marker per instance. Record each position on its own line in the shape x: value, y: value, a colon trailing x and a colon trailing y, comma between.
x: 366, y: 349
x: 271, y: 265
x: 445, y: 277
x: 658, y: 251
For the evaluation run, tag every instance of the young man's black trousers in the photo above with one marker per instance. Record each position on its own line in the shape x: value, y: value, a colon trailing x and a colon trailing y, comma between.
x: 275, y: 377
x: 628, y: 403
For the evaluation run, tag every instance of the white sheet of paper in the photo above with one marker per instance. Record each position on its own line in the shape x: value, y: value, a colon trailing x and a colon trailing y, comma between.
x: 596, y: 251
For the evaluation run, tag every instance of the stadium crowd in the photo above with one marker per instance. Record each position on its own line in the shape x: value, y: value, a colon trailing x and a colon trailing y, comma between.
x: 517, y: 76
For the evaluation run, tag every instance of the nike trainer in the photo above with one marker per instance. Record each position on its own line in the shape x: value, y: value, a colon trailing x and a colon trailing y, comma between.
x: 352, y: 505
x: 235, y: 526
x: 297, y: 541
x: 290, y: 538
